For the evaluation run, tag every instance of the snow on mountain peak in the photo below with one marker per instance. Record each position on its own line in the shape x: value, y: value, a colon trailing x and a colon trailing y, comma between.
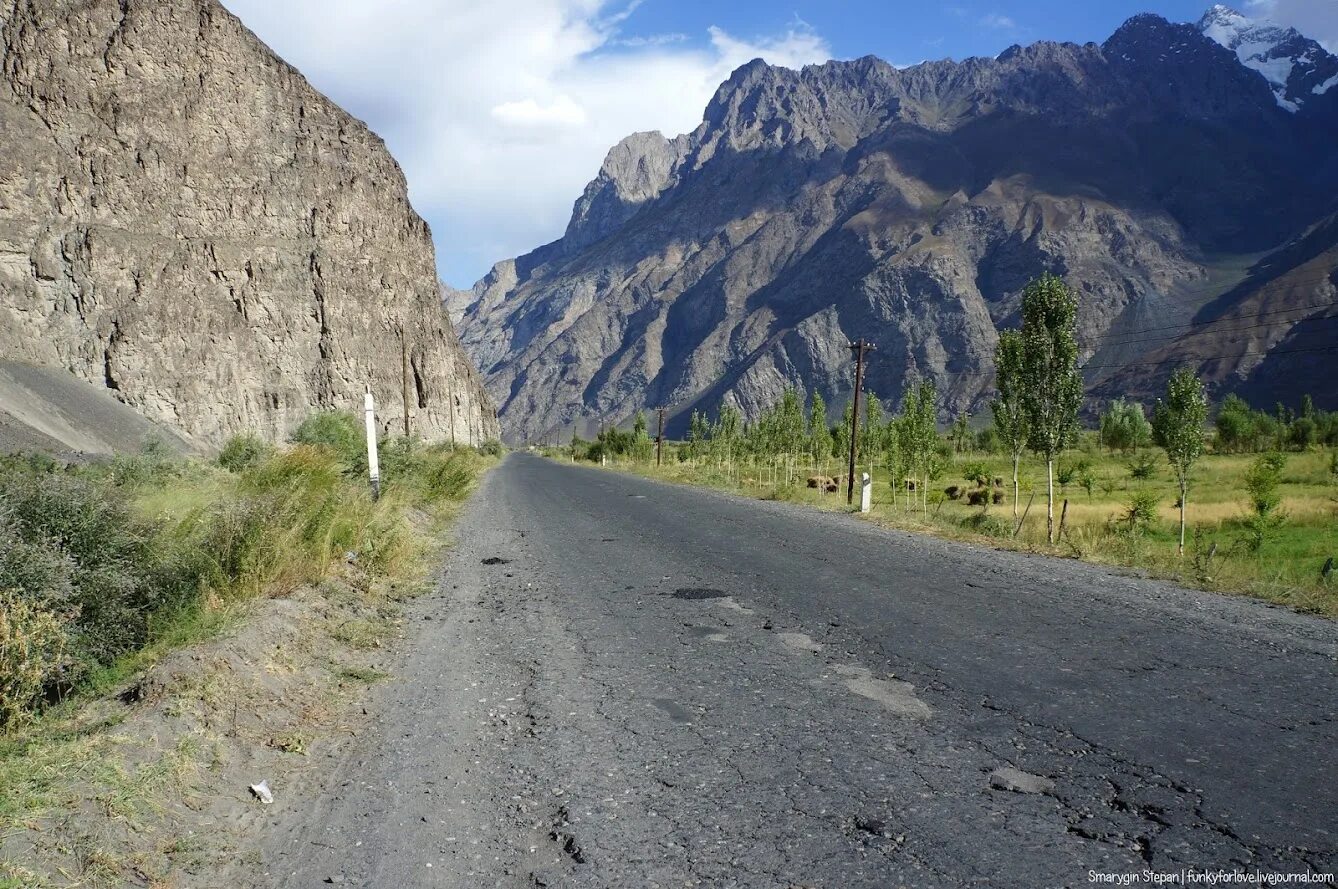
x: 1294, y: 65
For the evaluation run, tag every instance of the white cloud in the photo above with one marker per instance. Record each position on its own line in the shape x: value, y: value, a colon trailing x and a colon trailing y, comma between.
x: 998, y: 22
x: 561, y: 111
x: 501, y: 112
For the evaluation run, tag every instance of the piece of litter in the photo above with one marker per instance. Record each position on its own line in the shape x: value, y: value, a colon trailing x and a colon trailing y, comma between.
x: 262, y: 792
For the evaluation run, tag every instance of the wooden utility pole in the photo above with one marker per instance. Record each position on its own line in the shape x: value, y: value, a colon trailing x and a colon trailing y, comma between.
x: 659, y: 440
x: 859, y: 347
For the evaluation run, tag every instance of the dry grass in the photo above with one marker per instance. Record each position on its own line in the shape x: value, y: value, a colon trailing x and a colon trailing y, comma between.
x: 1286, y: 569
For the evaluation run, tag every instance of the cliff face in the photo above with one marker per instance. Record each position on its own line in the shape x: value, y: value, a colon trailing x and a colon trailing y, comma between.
x: 910, y: 207
x: 186, y: 221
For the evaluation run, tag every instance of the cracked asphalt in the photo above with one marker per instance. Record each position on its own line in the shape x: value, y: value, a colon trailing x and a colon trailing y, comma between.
x: 655, y: 686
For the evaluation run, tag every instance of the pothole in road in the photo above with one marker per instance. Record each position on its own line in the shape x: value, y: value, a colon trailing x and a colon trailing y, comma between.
x: 677, y: 712
x: 698, y: 593
x: 895, y: 695
x: 496, y: 560
x: 799, y: 642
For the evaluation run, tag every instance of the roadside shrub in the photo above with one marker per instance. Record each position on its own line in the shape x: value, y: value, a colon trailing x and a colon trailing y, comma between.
x: 450, y: 476
x: 154, y: 460
x: 989, y: 525
x: 243, y: 451
x: 491, y: 448
x: 32, y: 647
x: 36, y: 569
x: 339, y: 431
x: 1141, y: 514
x: 108, y: 585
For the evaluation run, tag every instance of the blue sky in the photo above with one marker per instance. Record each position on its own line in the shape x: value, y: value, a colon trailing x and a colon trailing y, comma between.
x: 500, y: 111
x: 907, y: 32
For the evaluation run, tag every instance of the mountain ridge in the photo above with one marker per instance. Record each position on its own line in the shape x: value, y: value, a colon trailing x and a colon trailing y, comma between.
x: 910, y: 205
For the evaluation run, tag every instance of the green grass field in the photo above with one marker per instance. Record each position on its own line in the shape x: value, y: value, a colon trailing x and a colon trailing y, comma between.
x: 1285, y: 568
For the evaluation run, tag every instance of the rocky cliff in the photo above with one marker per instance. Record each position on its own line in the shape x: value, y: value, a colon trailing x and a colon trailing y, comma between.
x: 1155, y: 172
x: 186, y: 221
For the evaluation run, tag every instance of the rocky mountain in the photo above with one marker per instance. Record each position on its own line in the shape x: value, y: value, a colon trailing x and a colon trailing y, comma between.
x: 1155, y: 171
x: 185, y: 221
x: 1296, y: 67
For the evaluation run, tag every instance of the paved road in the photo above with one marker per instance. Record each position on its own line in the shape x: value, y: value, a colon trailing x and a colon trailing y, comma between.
x: 663, y: 686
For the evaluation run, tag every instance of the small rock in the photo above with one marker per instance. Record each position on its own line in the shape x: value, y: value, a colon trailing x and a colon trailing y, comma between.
x: 262, y: 792
x: 1018, y: 781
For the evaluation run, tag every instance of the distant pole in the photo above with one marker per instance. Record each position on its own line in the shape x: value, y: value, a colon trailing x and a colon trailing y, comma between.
x: 659, y: 440
x: 373, y: 466
x: 404, y: 379
x: 859, y: 347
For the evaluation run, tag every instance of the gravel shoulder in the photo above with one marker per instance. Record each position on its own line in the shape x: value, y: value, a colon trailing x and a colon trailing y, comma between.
x: 662, y: 686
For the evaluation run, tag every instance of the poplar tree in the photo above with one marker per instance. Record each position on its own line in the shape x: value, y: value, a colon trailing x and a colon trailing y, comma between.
x: 1051, y: 384
x: 819, y: 438
x: 917, y: 431
x: 1177, y: 426
x: 1010, y: 420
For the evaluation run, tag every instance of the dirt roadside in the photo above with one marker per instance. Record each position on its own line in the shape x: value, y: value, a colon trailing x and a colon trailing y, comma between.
x: 150, y: 786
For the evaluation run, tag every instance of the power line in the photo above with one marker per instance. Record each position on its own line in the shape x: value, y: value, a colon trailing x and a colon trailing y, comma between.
x: 1180, y: 358
x: 1187, y: 358
x: 1322, y: 305
x: 1167, y: 336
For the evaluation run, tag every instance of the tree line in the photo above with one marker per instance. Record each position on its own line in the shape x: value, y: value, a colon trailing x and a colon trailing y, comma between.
x: 1039, y: 394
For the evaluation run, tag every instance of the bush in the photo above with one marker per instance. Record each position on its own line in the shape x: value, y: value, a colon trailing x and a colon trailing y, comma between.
x: 155, y: 460
x: 1141, y: 513
x: 1143, y: 467
x: 1079, y: 471
x: 977, y: 472
x: 1124, y: 427
x: 32, y: 649
x: 243, y: 451
x: 1262, y: 480
x: 491, y: 448
x: 105, y: 577
x: 989, y: 525
x: 341, y: 433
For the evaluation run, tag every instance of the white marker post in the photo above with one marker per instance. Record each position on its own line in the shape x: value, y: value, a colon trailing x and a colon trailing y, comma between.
x: 865, y: 492
x: 373, y: 465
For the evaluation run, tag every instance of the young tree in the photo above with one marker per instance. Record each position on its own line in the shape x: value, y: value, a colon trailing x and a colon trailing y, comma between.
x: 960, y: 432
x: 1177, y: 425
x: 1010, y: 420
x: 1124, y: 427
x: 841, y: 434
x: 918, y: 433
x: 1051, y: 383
x: 871, y: 437
x: 791, y: 429
x: 640, y: 444
x: 819, y: 438
x: 699, y: 434
x: 725, y: 435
